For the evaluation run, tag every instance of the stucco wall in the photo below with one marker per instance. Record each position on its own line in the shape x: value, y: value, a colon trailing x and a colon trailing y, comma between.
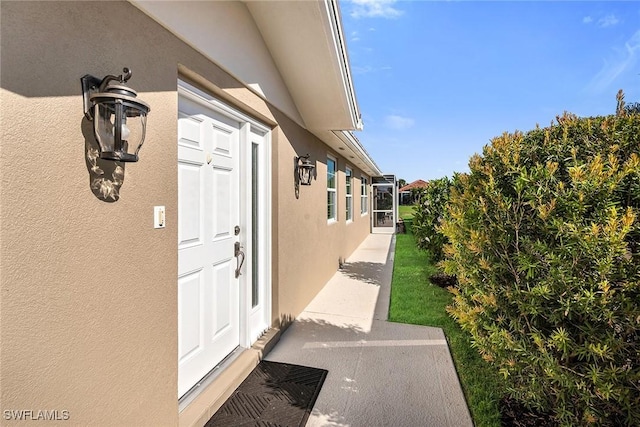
x: 308, y: 247
x: 209, y: 25
x: 88, y: 300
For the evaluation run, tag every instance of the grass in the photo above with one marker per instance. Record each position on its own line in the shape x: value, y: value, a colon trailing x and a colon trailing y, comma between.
x: 406, y: 211
x: 415, y: 300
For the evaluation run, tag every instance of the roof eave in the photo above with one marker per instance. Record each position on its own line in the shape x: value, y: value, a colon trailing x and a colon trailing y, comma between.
x: 307, y: 43
x: 352, y: 143
x: 343, y: 58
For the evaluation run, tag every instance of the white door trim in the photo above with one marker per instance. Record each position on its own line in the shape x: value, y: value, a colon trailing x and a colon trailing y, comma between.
x: 253, y: 320
x: 209, y: 101
x: 389, y: 214
x: 258, y: 318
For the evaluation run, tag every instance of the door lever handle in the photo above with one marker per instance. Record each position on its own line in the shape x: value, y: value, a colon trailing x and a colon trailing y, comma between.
x: 239, y: 254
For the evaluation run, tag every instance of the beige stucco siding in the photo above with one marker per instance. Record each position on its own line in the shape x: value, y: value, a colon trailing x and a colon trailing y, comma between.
x: 88, y: 310
x: 308, y: 248
x: 88, y: 299
x: 209, y: 24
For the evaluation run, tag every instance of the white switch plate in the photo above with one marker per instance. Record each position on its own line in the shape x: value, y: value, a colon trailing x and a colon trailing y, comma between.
x: 158, y: 217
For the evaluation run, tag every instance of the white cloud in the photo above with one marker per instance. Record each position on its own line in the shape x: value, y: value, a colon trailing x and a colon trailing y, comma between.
x: 608, y: 21
x: 375, y: 9
x: 398, y: 122
x: 362, y: 70
x: 368, y: 69
x: 625, y: 59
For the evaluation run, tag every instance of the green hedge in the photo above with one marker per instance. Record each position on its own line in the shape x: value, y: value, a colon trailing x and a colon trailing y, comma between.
x: 544, y: 239
x: 428, y: 216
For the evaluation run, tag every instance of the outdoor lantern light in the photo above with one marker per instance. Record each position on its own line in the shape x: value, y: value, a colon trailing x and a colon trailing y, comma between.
x: 305, y: 170
x: 119, y: 118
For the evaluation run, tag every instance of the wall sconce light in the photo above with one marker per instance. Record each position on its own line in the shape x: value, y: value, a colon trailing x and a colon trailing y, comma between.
x: 305, y: 170
x: 119, y: 118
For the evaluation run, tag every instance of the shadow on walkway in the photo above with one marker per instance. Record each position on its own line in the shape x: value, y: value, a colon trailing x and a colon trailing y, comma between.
x: 380, y: 373
x: 367, y: 272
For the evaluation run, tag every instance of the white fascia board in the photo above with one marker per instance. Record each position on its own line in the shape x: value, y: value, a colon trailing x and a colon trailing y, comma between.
x: 353, y: 144
x: 340, y: 46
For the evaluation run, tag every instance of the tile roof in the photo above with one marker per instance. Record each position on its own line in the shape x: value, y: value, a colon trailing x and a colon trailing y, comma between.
x: 415, y: 184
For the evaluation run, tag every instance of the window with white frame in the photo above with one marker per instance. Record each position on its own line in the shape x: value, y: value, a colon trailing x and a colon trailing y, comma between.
x: 348, y: 194
x: 364, y: 195
x: 331, y: 190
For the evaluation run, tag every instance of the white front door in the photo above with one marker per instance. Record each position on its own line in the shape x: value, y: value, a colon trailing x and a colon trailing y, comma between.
x: 208, y: 213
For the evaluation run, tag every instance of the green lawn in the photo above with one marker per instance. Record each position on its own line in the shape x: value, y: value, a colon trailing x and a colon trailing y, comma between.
x: 415, y: 300
x: 406, y: 211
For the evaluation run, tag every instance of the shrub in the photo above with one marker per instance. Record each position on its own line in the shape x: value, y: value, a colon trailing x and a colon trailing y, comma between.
x: 544, y: 240
x: 428, y: 216
x: 416, y: 194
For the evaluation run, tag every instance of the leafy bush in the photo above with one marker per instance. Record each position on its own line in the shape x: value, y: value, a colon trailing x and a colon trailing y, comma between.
x: 428, y: 216
x: 416, y: 194
x: 545, y: 242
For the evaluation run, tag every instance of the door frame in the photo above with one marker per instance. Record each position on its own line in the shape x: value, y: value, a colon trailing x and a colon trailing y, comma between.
x: 251, y: 132
x: 385, y: 181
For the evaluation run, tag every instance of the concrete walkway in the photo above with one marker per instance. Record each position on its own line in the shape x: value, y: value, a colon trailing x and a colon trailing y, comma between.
x: 380, y: 373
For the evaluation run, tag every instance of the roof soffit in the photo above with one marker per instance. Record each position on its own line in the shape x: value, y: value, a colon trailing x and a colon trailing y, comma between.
x: 305, y: 41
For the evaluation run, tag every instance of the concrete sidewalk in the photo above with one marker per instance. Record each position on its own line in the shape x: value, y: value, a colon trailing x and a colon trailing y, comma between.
x: 380, y: 373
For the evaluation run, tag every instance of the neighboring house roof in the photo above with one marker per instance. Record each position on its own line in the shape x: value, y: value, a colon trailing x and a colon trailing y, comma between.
x: 415, y: 184
x: 306, y: 44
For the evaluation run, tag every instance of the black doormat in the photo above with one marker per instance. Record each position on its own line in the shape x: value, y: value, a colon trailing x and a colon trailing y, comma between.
x: 273, y: 395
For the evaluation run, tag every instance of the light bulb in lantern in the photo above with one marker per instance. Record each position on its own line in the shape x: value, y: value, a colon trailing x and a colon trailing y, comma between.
x: 125, y: 132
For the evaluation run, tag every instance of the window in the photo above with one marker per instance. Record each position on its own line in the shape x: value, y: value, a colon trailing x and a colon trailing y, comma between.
x: 331, y: 189
x: 349, y: 194
x: 364, y: 197
x: 255, y: 223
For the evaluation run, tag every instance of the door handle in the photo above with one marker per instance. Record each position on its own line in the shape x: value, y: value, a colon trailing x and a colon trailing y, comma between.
x: 239, y: 254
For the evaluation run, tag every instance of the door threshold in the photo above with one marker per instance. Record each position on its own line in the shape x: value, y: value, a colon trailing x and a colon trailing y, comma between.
x: 194, y: 391
x: 199, y: 404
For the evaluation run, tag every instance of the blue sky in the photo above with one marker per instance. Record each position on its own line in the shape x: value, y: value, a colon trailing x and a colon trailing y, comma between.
x: 435, y: 80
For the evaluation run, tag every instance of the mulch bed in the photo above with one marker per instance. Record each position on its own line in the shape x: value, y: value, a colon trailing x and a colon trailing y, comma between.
x: 443, y: 280
x: 515, y: 414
